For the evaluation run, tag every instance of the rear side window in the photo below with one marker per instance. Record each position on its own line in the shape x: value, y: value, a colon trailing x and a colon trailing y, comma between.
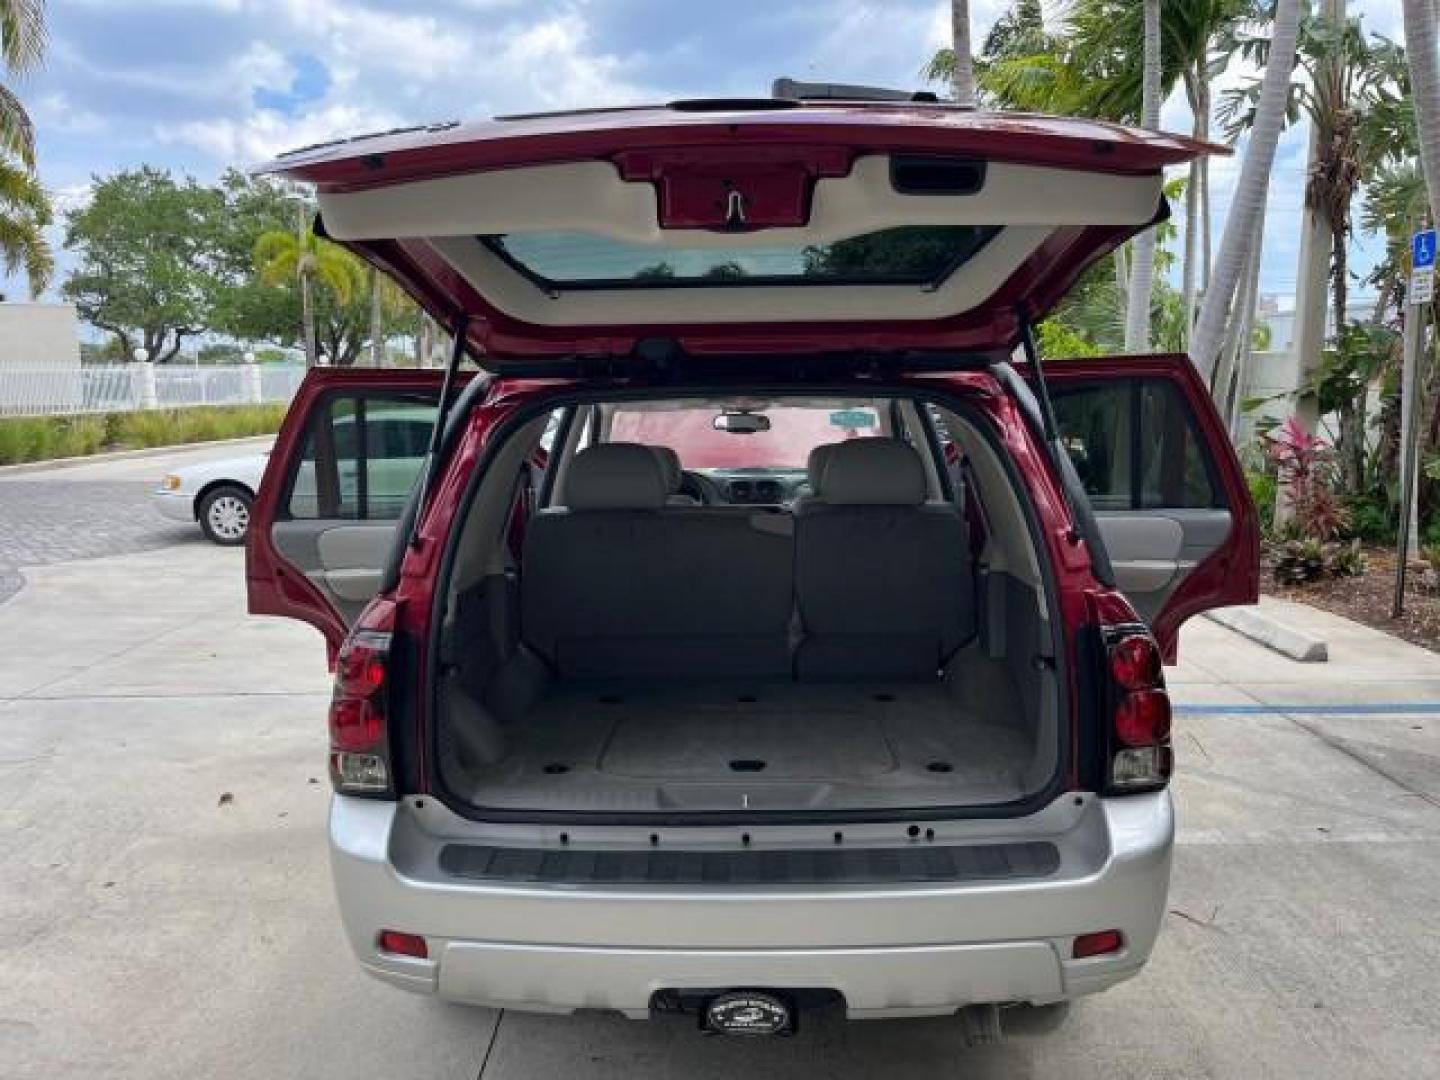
x: 362, y: 456
x: 1134, y: 444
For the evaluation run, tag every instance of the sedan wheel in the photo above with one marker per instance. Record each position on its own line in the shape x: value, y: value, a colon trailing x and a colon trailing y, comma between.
x: 225, y: 516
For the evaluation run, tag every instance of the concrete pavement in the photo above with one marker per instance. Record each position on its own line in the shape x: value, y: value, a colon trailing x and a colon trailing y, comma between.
x: 152, y: 927
x: 82, y: 509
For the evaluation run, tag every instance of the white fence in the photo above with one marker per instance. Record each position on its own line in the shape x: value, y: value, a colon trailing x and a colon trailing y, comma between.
x: 38, y: 391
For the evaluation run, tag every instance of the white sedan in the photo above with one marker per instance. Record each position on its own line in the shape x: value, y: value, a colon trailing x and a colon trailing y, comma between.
x: 217, y: 494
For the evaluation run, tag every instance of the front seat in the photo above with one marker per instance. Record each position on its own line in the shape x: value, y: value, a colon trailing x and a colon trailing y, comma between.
x: 674, y: 477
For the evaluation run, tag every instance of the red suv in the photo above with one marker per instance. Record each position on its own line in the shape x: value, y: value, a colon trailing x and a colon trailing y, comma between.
x: 766, y: 625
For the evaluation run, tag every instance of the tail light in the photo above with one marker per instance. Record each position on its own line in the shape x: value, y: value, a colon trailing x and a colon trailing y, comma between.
x: 359, y: 707
x: 1140, y: 758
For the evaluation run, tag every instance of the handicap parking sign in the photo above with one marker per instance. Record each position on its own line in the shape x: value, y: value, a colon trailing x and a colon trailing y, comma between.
x: 1422, y: 261
x: 1423, y: 250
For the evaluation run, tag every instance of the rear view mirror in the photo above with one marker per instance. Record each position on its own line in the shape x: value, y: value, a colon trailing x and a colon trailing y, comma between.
x: 742, y: 423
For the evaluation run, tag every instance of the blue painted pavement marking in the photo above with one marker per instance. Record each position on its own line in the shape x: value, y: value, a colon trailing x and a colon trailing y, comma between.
x: 1389, y: 708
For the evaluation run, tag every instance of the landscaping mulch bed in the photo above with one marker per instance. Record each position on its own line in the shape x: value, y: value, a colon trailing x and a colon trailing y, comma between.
x: 1369, y: 598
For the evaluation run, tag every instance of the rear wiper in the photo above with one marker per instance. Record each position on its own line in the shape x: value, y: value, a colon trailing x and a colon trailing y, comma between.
x: 442, y: 413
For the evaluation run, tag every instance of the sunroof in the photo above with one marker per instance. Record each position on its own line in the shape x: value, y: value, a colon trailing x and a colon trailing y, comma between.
x: 904, y: 255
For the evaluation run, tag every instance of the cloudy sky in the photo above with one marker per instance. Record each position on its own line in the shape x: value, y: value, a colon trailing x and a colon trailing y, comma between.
x: 199, y: 85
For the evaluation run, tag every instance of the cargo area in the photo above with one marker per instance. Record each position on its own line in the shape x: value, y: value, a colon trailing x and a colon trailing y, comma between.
x: 862, y: 648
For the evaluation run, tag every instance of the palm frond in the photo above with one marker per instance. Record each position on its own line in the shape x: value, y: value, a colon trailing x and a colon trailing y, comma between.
x: 17, y: 133
x: 23, y: 245
x: 277, y: 257
x: 22, y: 33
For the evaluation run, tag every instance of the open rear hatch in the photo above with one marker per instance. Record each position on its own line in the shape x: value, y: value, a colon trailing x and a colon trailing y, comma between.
x: 724, y: 227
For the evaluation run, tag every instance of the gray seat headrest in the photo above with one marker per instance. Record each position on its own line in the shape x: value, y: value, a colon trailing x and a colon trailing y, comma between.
x: 616, y: 476
x: 815, y: 465
x: 670, y: 462
x: 872, y: 472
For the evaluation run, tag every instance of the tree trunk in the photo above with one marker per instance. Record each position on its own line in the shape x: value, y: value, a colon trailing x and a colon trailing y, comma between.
x: 307, y: 321
x: 1192, y: 209
x: 1121, y: 260
x: 1308, y: 337
x: 1339, y: 286
x: 1420, y: 48
x: 1250, y: 190
x: 1312, y: 277
x: 377, y: 322
x: 1234, y: 366
x: 960, y: 42
x: 1205, y: 230
x: 1142, y: 271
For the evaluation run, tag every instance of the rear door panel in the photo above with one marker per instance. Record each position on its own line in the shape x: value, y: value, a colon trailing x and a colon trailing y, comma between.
x: 1167, y: 491
x: 324, y: 520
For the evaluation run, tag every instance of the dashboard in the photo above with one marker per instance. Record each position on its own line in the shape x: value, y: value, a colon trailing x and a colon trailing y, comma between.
x: 751, y: 487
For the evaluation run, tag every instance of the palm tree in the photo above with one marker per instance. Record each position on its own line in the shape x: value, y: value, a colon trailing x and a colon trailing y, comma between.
x: 1250, y: 190
x: 1090, y: 68
x: 24, y: 216
x: 1350, y: 81
x: 962, y: 61
x: 1420, y: 39
x: 1142, y: 273
x: 24, y: 206
x: 388, y: 304
x: 282, y: 256
x: 22, y: 46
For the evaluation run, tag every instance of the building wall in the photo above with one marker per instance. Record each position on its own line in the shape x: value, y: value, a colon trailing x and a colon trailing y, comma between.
x: 39, y: 359
x: 39, y: 335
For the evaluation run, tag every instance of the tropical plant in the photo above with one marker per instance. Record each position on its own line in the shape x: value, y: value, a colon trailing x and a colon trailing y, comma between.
x: 22, y: 47
x: 1300, y: 560
x: 304, y: 257
x: 1420, y: 48
x: 1352, y: 362
x: 1248, y: 201
x: 25, y: 214
x: 25, y: 210
x: 1305, y: 468
x: 1346, y: 76
x: 1086, y: 65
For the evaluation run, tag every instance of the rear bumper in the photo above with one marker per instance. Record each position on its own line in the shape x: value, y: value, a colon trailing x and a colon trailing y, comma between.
x: 909, y: 949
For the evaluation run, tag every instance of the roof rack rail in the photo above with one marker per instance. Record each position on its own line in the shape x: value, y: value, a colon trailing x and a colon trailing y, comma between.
x: 788, y: 89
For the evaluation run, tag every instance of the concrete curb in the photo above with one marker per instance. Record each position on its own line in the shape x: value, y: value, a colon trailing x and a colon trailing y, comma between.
x: 122, y: 455
x: 1251, y: 623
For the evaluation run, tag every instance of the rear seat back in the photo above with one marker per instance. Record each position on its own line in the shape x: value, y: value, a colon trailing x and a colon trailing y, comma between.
x: 884, y: 581
x: 615, y: 585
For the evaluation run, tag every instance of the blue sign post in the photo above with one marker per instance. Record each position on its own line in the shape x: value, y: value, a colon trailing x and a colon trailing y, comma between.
x: 1422, y: 250
x: 1422, y: 267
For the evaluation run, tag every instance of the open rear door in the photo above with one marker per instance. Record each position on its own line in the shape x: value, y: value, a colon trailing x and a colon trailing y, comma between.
x: 324, y: 520
x: 1164, y: 483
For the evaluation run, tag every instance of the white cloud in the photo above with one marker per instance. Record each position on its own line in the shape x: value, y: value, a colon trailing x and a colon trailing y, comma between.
x: 261, y: 134
x: 56, y: 112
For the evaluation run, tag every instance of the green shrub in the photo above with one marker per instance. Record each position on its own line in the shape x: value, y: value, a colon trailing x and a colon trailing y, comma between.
x: 1298, y: 561
x: 1372, y: 519
x: 41, y: 438
x: 1262, y: 490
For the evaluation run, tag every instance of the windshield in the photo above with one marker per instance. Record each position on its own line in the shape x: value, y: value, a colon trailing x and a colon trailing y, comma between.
x: 793, y: 431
